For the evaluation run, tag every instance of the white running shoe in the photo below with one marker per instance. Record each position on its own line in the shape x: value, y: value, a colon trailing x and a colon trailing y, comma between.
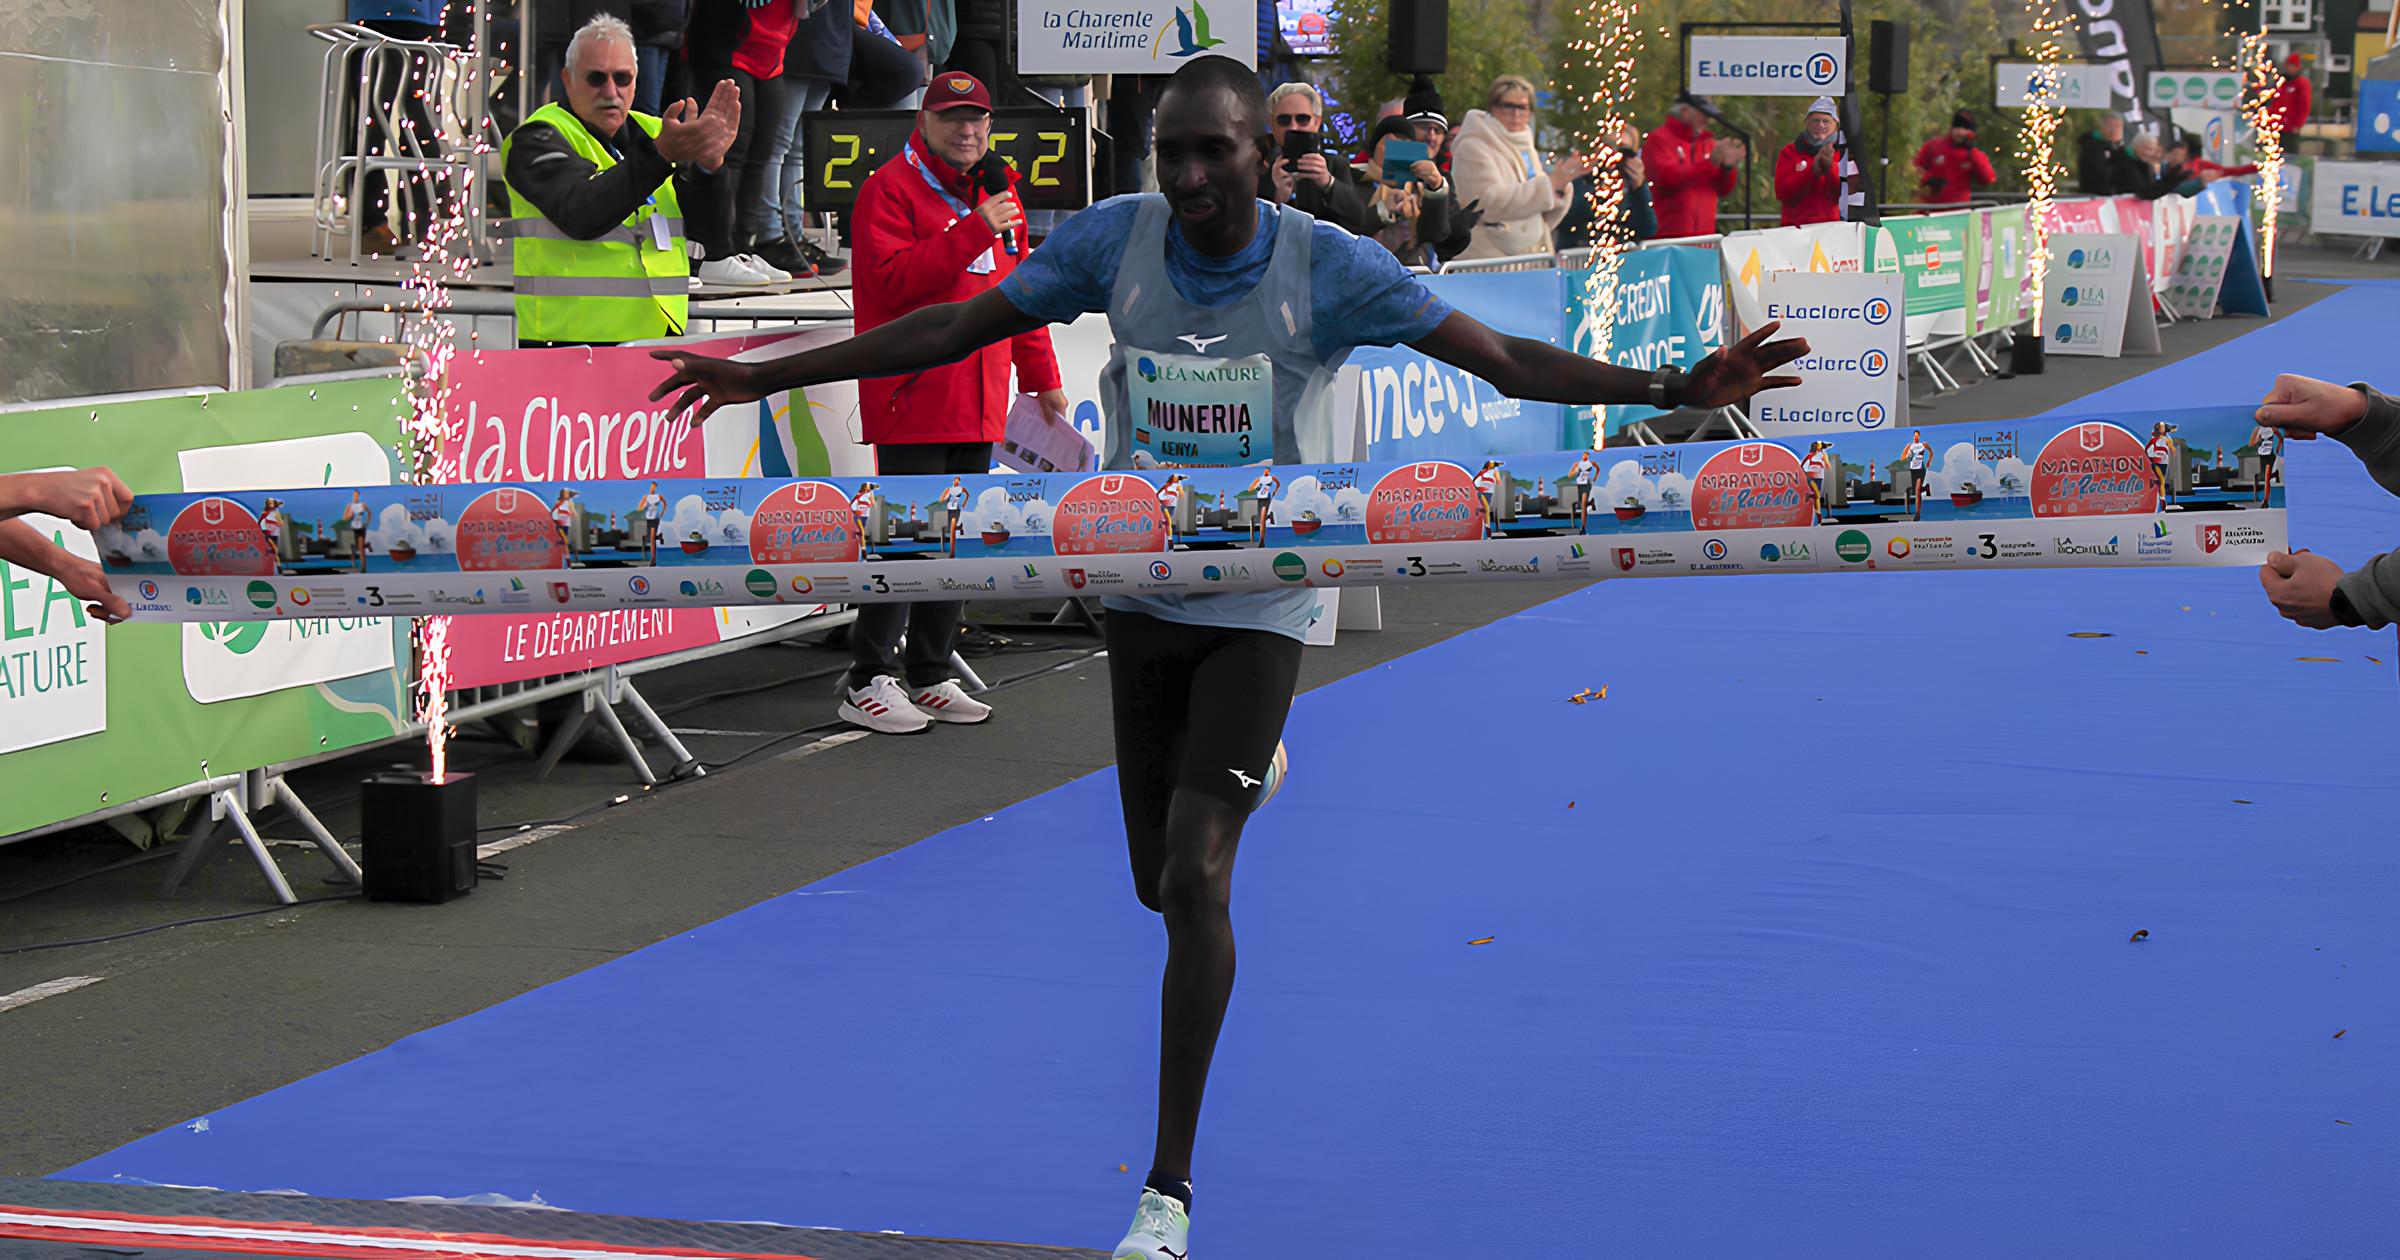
x: 950, y: 702
x: 1160, y: 1227
x: 882, y: 707
x: 1277, y: 767
x: 765, y: 268
x: 730, y: 272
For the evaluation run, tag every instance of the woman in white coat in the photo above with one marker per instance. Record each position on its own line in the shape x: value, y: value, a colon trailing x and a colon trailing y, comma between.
x: 1493, y: 161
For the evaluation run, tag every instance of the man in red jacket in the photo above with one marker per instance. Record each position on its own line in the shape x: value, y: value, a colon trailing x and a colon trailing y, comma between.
x: 1952, y: 166
x: 1808, y: 173
x: 925, y: 233
x: 2293, y: 99
x: 1689, y: 170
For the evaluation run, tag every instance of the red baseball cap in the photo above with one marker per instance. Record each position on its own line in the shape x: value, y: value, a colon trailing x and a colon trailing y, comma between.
x: 954, y: 89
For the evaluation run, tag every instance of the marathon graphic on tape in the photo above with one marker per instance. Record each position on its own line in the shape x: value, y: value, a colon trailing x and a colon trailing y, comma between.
x: 2192, y: 486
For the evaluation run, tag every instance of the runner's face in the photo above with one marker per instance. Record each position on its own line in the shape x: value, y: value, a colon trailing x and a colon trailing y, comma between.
x: 1209, y: 163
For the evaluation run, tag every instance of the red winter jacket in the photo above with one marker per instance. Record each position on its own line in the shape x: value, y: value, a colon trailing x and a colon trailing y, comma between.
x: 911, y: 251
x: 1951, y: 171
x: 1685, y: 180
x: 1809, y: 194
x: 2292, y: 103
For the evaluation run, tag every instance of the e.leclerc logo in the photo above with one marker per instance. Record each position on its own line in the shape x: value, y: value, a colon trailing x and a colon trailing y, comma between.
x: 1879, y: 310
x: 1714, y: 549
x: 149, y: 589
x: 1821, y: 69
x: 1871, y: 415
x: 1875, y: 363
x: 1852, y: 546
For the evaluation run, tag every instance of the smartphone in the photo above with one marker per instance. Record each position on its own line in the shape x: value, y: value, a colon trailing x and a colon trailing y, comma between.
x: 1401, y: 155
x: 1297, y: 145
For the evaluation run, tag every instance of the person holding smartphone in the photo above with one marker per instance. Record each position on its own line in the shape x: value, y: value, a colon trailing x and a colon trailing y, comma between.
x: 1411, y: 212
x: 1304, y: 178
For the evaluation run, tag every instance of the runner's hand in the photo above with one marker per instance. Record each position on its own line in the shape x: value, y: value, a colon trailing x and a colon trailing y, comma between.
x: 1740, y: 370
x: 2304, y: 406
x: 707, y: 384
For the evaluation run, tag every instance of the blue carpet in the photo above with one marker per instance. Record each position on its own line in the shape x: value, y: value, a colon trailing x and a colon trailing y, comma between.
x: 1809, y: 940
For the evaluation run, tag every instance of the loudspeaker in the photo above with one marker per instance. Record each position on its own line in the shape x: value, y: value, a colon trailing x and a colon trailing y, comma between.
x: 417, y: 836
x: 1420, y: 42
x: 1887, y: 56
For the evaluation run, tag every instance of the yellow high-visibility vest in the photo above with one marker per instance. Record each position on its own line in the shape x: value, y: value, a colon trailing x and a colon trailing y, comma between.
x: 617, y: 287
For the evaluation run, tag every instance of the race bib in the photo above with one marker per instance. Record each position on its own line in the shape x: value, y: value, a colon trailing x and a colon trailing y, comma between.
x: 1190, y: 410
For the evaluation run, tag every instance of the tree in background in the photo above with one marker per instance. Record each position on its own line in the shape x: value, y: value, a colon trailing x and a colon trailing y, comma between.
x: 1488, y: 38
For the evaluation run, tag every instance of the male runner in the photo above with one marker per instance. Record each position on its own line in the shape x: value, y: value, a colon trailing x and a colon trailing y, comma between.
x: 354, y: 517
x: 2269, y: 445
x: 1208, y: 275
x: 954, y: 500
x: 1264, y: 487
x: 653, y: 508
x: 1920, y: 460
x: 1586, y: 472
x: 2162, y: 452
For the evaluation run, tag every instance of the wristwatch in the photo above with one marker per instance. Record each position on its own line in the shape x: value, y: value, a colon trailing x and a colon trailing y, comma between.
x: 1666, y: 388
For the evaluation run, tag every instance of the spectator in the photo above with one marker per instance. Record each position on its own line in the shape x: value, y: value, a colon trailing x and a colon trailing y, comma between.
x: 2102, y: 159
x: 1580, y: 228
x: 1951, y: 165
x: 817, y: 58
x: 1410, y: 216
x: 2311, y: 589
x: 86, y: 498
x: 2146, y: 173
x: 658, y: 27
x: 981, y: 48
x: 418, y: 21
x: 592, y: 188
x: 1497, y: 166
x: 1808, y: 173
x: 2294, y: 97
x: 883, y: 75
x: 741, y: 42
x: 1432, y: 121
x: 1304, y: 179
x: 920, y: 244
x: 1689, y: 169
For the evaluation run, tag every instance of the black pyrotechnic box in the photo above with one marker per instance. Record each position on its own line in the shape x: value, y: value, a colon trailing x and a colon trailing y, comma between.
x: 417, y: 836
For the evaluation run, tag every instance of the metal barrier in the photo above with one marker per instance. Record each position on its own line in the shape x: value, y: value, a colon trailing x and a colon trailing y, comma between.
x: 1514, y: 262
x: 476, y: 306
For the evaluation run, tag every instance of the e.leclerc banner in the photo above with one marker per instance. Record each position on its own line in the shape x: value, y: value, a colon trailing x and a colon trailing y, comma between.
x: 2046, y: 493
x: 94, y: 715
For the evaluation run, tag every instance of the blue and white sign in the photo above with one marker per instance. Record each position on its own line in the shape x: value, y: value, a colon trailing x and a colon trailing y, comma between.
x: 2356, y: 199
x: 2096, y: 296
x: 2379, y: 116
x: 1415, y: 407
x: 2080, y: 86
x: 1670, y: 313
x: 1852, y: 377
x: 1768, y: 65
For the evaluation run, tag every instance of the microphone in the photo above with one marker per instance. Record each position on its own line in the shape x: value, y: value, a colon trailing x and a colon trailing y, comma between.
x: 992, y: 175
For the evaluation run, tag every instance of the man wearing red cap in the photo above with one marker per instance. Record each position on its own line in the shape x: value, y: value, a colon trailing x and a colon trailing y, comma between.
x: 925, y: 232
x: 2293, y: 99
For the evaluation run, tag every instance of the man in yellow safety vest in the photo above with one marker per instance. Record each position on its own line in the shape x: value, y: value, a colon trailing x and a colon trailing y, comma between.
x: 599, y: 246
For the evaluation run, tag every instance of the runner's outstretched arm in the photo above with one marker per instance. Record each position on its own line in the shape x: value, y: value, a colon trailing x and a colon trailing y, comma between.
x: 1537, y: 371
x: 928, y: 337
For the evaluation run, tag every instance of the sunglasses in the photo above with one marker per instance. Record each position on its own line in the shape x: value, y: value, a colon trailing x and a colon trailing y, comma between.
x: 601, y: 78
x: 1513, y: 107
x: 1294, y: 120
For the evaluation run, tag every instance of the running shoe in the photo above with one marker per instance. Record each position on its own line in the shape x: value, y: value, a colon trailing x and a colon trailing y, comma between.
x: 950, y: 702
x: 882, y: 707
x: 1276, y: 766
x: 1160, y: 1226
x: 773, y: 273
x: 730, y: 273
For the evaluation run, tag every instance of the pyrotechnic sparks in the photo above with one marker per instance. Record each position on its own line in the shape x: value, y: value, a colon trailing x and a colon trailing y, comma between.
x: 1610, y: 56
x: 2262, y: 81
x: 443, y: 255
x: 2038, y: 148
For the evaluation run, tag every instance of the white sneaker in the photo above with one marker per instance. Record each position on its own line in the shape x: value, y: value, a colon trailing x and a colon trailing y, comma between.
x: 731, y: 272
x: 1160, y: 1227
x: 1277, y: 767
x: 765, y: 268
x: 950, y: 702
x: 882, y: 707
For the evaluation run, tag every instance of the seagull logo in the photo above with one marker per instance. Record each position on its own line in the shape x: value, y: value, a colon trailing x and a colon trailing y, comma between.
x: 1199, y: 343
x: 1243, y: 779
x: 1191, y: 34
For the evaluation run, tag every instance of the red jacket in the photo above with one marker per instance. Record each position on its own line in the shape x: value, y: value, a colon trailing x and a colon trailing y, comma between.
x: 1685, y: 180
x: 2292, y: 103
x: 1951, y: 171
x: 911, y: 251
x: 1809, y: 194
